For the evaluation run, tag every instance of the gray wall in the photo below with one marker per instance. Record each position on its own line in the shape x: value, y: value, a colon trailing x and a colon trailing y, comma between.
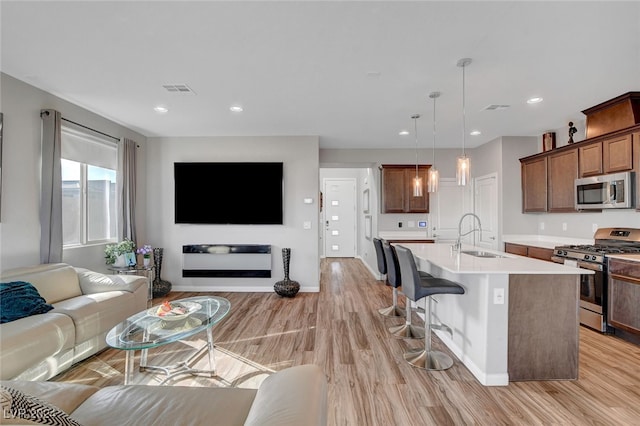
x: 300, y: 157
x: 20, y: 227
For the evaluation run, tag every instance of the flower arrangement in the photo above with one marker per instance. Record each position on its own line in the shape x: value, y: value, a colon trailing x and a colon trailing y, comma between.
x: 112, y: 251
x: 145, y: 251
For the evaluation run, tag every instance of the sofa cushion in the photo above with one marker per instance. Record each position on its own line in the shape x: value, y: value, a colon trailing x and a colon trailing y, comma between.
x: 281, y: 401
x: 54, y: 281
x: 19, y: 405
x: 163, y: 405
x: 95, y: 282
x: 29, y: 341
x: 19, y: 299
x: 95, y: 314
x: 66, y: 396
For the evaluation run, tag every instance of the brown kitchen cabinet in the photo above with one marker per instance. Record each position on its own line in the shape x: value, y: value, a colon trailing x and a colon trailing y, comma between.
x: 590, y: 159
x: 610, y: 155
x: 534, y: 185
x: 397, y: 189
x: 624, y: 295
x: 617, y: 154
x: 529, y: 251
x: 562, y: 173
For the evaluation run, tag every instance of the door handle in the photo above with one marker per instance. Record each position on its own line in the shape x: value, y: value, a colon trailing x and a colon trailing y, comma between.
x: 492, y: 238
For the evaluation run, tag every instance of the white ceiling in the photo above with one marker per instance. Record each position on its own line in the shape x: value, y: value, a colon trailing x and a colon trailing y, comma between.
x: 351, y: 72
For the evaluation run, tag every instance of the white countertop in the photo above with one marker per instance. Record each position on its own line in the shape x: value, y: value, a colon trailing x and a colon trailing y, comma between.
x: 441, y: 255
x: 544, y: 241
x: 405, y: 235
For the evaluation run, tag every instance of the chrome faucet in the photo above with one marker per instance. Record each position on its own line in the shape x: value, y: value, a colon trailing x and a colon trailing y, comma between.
x: 458, y: 245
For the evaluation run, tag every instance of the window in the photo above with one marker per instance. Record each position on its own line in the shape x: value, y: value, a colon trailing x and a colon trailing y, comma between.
x: 89, y: 173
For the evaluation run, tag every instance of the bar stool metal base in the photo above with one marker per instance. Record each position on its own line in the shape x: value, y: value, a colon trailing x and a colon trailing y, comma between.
x: 407, y: 331
x: 432, y: 360
x: 392, y: 311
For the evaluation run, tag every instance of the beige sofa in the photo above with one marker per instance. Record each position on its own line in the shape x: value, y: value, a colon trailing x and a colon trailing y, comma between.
x: 86, y: 305
x: 296, y: 396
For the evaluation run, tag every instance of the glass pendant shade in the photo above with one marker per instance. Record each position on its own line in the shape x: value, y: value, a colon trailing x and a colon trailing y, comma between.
x: 417, y: 180
x: 434, y: 180
x: 463, y: 164
x: 417, y: 186
x: 462, y: 170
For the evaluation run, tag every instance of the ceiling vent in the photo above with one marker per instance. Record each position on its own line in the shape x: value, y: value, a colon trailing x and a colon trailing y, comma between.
x: 495, y: 107
x: 178, y: 88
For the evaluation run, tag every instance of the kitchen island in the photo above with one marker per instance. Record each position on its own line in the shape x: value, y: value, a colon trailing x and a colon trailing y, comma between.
x: 518, y: 319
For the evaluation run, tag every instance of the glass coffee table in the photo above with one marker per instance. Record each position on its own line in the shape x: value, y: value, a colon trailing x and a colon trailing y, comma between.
x: 146, y: 330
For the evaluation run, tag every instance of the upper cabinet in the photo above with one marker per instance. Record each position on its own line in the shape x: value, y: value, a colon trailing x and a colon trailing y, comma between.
x: 562, y: 173
x: 534, y: 185
x: 397, y: 189
x: 606, y: 155
x: 590, y: 159
x: 612, y: 146
x: 617, y: 154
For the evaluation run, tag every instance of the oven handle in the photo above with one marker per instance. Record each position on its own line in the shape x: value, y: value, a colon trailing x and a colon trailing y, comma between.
x: 582, y: 265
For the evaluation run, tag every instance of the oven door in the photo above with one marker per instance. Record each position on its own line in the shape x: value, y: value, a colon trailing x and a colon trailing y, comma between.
x: 592, y: 294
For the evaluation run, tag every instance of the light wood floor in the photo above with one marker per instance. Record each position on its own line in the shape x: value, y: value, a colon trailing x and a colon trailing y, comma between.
x: 369, y: 382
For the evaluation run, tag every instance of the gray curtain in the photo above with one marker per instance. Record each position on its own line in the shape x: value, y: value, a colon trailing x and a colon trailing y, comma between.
x: 51, y: 188
x: 127, y: 188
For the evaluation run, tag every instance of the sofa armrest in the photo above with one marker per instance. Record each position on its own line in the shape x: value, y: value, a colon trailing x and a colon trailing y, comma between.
x: 296, y: 396
x: 94, y: 282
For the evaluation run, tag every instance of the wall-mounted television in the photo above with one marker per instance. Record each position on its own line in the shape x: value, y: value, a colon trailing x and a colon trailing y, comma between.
x: 229, y: 193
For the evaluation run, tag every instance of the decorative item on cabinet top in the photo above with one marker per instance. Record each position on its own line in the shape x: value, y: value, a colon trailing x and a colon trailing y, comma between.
x: 548, y: 141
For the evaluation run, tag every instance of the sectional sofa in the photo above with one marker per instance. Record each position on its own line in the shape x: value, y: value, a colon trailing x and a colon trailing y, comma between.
x: 86, y: 305
x: 295, y: 396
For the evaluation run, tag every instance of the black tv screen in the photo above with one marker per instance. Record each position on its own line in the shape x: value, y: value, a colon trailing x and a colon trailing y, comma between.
x: 229, y: 193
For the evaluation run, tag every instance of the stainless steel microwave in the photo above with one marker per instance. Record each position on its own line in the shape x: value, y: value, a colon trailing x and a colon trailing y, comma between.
x: 613, y: 191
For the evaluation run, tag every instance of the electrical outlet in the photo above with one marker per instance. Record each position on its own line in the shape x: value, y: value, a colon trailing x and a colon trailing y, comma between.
x: 411, y: 224
x: 399, y: 224
x: 498, y: 296
x: 542, y: 226
x: 594, y: 227
x: 564, y: 226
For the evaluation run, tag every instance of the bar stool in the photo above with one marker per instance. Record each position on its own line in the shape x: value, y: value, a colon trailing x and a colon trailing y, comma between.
x: 406, y: 330
x: 416, y: 288
x: 393, y: 277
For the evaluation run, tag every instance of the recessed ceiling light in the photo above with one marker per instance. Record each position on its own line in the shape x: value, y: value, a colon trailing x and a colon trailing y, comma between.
x: 161, y: 109
x: 534, y: 100
x: 475, y: 132
x: 236, y: 108
x: 403, y: 132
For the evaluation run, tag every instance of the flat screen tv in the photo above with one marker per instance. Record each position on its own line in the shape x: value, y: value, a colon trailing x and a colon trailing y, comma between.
x: 229, y: 193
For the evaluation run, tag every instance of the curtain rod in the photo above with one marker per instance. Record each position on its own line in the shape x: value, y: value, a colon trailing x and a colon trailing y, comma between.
x: 89, y: 128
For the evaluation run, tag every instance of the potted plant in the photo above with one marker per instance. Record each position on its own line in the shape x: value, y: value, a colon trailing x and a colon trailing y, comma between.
x: 145, y: 251
x: 115, y: 254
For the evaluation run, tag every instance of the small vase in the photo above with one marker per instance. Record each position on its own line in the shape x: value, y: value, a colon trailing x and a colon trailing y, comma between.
x: 286, y: 287
x: 160, y: 287
x: 146, y: 261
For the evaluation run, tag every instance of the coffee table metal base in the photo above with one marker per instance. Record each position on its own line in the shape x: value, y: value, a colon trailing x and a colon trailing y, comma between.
x: 177, y: 369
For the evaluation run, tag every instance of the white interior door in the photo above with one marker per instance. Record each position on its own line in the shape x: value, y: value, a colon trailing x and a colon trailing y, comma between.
x: 339, y: 217
x: 446, y: 208
x: 486, y: 207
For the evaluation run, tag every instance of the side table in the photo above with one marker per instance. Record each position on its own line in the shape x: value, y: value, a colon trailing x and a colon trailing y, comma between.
x: 146, y: 271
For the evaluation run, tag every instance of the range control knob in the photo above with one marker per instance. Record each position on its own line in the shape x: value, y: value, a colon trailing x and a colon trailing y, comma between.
x: 593, y: 258
x: 586, y: 257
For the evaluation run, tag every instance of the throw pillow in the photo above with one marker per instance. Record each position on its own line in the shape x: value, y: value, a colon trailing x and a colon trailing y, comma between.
x: 19, y: 405
x: 20, y: 299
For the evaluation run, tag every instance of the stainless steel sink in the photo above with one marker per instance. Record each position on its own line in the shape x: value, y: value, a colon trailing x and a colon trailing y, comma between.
x: 478, y: 253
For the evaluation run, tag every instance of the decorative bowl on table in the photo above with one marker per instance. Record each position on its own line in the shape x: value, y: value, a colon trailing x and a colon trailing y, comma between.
x: 174, y: 311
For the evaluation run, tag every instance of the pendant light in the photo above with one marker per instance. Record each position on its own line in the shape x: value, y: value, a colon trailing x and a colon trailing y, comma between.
x: 417, y: 180
x: 463, y: 165
x: 434, y: 176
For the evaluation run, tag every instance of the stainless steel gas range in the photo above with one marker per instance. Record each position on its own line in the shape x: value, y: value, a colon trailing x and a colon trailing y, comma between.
x: 593, y: 287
